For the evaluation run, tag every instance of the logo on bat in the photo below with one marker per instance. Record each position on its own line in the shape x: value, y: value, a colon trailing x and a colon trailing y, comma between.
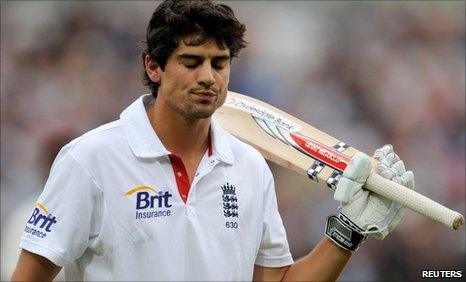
x: 264, y: 114
x: 281, y: 128
x: 287, y: 131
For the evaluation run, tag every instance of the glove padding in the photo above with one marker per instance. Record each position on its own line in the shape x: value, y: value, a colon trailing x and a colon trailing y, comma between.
x: 374, y: 214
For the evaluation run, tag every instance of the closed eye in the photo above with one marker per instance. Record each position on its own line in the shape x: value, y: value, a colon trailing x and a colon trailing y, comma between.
x: 193, y: 61
x: 218, y: 66
x: 190, y: 66
x: 220, y: 63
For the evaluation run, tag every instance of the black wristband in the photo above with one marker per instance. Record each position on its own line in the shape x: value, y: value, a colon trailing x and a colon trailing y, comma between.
x: 343, y: 232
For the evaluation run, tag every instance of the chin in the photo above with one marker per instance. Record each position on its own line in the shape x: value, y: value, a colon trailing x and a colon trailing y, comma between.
x: 201, y: 114
x: 202, y: 110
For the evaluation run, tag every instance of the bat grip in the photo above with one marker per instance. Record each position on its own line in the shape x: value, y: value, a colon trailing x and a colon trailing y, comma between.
x: 414, y: 201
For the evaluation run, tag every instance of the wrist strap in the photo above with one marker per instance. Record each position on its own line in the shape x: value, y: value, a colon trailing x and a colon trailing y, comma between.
x: 343, y: 232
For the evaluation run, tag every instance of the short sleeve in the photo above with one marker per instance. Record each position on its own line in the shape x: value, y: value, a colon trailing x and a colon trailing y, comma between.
x: 274, y: 250
x: 67, y: 214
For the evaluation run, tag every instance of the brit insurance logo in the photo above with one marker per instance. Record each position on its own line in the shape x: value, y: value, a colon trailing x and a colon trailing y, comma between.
x: 150, y: 203
x: 41, y: 221
x: 230, y: 205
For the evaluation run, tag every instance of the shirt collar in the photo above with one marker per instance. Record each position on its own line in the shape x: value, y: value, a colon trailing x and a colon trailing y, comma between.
x: 145, y: 143
x: 139, y: 132
x: 220, y: 143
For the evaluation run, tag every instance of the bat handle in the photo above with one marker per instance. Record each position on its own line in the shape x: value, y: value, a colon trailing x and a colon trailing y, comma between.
x: 414, y: 201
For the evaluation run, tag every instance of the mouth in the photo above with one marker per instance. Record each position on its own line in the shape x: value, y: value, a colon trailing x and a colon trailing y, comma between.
x: 208, y: 94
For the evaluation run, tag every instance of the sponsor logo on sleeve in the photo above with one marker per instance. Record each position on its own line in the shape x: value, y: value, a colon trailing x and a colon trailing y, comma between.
x: 150, y: 203
x: 41, y: 221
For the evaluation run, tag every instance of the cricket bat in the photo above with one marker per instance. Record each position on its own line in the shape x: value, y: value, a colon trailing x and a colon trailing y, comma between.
x: 295, y: 145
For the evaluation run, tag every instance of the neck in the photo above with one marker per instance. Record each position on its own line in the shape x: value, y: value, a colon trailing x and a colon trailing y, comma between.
x: 179, y: 135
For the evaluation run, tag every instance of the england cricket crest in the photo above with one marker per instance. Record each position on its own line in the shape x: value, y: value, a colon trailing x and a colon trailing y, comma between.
x: 230, y: 201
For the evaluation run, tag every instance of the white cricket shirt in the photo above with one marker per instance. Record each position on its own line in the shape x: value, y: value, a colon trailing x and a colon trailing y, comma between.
x: 111, y: 209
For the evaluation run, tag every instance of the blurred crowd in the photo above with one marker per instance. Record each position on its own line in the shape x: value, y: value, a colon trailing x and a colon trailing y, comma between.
x: 368, y: 73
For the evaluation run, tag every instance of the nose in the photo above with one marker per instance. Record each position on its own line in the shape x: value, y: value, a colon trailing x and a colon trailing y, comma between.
x: 206, y: 75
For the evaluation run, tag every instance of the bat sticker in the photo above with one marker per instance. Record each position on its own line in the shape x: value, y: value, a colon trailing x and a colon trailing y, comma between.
x: 263, y: 114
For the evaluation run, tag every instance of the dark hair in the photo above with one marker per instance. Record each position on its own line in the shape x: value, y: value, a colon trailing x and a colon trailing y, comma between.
x: 174, y: 20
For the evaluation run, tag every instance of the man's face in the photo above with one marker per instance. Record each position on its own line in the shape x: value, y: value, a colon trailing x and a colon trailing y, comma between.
x: 195, y: 80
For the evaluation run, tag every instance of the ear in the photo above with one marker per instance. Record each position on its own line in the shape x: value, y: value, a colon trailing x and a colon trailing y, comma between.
x: 152, y: 69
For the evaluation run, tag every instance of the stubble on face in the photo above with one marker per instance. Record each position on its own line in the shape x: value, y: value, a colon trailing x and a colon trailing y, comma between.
x: 185, y: 87
x: 202, y: 109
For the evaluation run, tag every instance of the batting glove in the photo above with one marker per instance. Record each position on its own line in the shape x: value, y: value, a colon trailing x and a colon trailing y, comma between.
x: 362, y: 212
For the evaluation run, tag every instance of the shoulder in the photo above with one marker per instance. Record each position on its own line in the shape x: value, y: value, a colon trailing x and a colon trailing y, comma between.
x: 235, y: 149
x: 241, y: 148
x: 97, y: 143
x: 246, y: 155
x: 97, y: 137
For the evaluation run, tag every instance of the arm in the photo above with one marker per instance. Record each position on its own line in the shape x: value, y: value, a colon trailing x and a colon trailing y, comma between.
x: 324, y: 263
x: 361, y: 213
x: 33, y: 267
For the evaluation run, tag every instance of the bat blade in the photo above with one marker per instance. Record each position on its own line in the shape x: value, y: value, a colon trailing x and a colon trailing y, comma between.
x: 291, y: 143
